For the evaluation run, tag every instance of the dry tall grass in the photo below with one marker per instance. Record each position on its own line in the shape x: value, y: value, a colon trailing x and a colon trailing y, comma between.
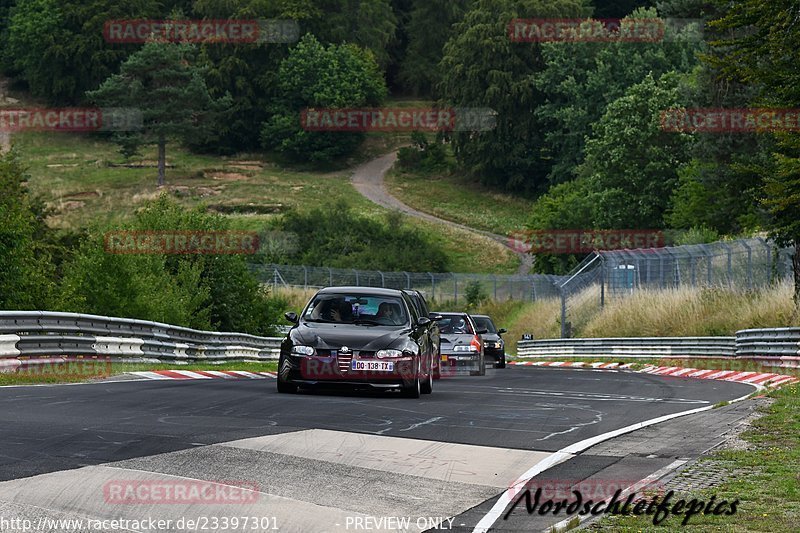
x: 693, y: 312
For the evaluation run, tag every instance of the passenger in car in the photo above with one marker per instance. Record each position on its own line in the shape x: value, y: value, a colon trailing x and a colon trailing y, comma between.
x: 389, y: 314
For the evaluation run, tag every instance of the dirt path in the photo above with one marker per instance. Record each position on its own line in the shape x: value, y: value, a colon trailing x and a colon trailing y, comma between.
x: 368, y: 180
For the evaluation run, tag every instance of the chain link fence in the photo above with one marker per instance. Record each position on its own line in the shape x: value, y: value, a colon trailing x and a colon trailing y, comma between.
x: 745, y: 264
x: 738, y: 265
x: 437, y: 287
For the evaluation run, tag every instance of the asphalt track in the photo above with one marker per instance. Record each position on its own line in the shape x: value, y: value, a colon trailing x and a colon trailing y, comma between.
x: 325, y: 460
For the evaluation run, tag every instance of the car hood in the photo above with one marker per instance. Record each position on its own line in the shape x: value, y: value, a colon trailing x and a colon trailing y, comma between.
x: 455, y: 339
x: 333, y: 336
x: 491, y: 337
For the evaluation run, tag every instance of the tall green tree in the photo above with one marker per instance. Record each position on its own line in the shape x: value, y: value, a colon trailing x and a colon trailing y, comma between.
x: 316, y: 76
x: 162, y: 81
x: 26, y: 273
x: 760, y: 42
x: 57, y: 46
x: 631, y: 162
x: 430, y: 25
x: 580, y: 80
x: 483, y: 68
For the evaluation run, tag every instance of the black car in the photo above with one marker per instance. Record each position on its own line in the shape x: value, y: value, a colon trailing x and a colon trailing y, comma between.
x: 493, y: 345
x: 361, y: 337
x: 462, y: 345
x: 422, y: 308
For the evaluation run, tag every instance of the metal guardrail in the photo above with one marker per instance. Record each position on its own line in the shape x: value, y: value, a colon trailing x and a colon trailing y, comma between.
x: 635, y: 347
x: 25, y: 334
x: 776, y: 347
x: 778, y: 342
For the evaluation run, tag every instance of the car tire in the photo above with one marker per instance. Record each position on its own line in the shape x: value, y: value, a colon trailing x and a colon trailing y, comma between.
x: 501, y: 362
x: 415, y: 390
x: 286, y: 388
x: 426, y: 387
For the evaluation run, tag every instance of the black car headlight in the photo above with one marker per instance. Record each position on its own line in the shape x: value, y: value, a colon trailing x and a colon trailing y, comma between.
x: 303, y: 350
x: 389, y: 354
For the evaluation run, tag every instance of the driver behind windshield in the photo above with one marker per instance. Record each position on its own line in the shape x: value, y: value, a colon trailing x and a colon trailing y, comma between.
x: 390, y: 314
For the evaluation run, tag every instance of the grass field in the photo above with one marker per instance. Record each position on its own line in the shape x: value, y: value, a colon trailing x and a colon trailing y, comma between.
x: 84, y: 182
x: 453, y: 198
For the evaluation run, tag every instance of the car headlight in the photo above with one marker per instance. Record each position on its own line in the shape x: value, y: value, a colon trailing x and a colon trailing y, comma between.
x: 385, y: 354
x: 492, y: 344
x: 303, y: 350
x: 465, y: 348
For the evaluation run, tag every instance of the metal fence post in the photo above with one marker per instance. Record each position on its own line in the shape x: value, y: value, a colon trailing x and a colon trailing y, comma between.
x: 383, y: 279
x: 563, y: 314
x: 330, y: 277
x: 305, y: 278
x: 455, y: 288
x: 433, y: 286
x: 749, y: 266
x: 494, y: 279
x: 356, y: 271
x: 408, y: 280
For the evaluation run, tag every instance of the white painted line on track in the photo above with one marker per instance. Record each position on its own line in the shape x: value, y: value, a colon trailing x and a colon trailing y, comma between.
x: 485, y: 524
x: 567, y: 523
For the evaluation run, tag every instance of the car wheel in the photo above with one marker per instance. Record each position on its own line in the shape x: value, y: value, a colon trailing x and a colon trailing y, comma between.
x: 501, y: 362
x: 415, y: 389
x: 427, y: 386
x: 286, y: 388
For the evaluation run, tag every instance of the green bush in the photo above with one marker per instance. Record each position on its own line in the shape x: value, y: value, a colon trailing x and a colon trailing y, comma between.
x: 199, y: 291
x: 339, y: 237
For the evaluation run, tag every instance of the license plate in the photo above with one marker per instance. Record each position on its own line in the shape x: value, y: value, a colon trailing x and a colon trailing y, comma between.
x: 376, y: 366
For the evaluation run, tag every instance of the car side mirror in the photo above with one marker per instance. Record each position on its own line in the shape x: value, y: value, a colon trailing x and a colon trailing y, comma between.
x: 423, y: 321
x: 501, y: 331
x: 292, y: 317
x: 434, y: 316
x: 483, y: 331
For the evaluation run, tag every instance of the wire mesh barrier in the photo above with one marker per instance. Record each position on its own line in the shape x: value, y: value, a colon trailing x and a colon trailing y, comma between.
x: 435, y: 286
x: 744, y: 264
x: 738, y: 265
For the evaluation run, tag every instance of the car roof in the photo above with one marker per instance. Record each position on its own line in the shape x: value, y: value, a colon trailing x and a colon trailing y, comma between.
x: 482, y: 316
x: 377, y: 291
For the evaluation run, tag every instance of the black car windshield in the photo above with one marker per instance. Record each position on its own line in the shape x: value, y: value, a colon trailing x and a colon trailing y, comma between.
x: 342, y: 308
x: 454, y: 325
x: 484, y: 323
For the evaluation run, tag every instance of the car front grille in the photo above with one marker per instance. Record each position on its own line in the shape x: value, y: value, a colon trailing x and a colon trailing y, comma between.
x: 344, y: 362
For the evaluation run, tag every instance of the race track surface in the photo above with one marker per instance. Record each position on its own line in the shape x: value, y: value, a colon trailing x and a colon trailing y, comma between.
x: 323, y: 460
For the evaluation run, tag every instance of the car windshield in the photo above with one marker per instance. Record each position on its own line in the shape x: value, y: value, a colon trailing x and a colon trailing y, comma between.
x: 454, y: 325
x: 484, y: 323
x: 342, y: 308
